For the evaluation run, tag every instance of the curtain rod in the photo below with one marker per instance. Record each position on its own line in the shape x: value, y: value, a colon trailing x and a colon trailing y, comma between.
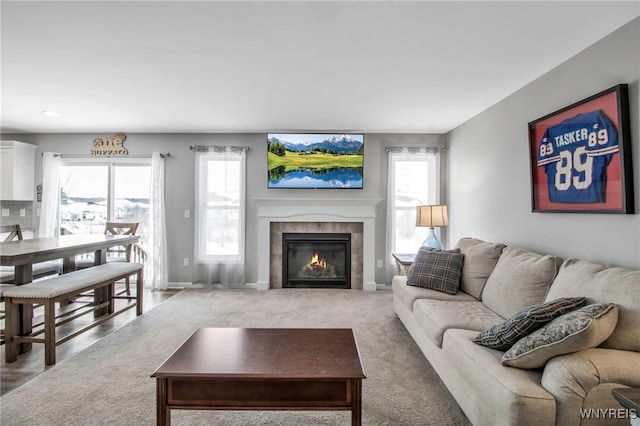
x: 166, y: 155
x: 413, y: 148
x: 218, y: 148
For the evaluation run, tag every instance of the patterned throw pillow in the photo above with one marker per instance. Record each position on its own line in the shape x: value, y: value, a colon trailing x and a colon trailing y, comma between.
x: 583, y: 328
x: 502, y: 336
x: 437, y: 270
x: 410, y: 271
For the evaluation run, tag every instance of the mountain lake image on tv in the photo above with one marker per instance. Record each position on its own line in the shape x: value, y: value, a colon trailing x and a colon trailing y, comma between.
x: 315, y: 160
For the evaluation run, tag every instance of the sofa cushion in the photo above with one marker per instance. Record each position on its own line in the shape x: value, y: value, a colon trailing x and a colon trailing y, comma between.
x: 408, y: 294
x: 602, y: 284
x: 480, y: 258
x: 509, y: 396
x: 583, y: 328
x: 521, y: 278
x: 436, y: 270
x: 435, y: 317
x: 502, y: 336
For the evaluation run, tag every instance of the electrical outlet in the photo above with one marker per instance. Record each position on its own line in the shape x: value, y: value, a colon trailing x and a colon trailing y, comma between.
x: 185, y: 262
x: 23, y: 212
x: 5, y: 212
x: 380, y: 264
x: 187, y: 214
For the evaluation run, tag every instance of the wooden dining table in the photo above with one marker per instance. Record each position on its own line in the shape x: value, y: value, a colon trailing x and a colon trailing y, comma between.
x: 24, y: 253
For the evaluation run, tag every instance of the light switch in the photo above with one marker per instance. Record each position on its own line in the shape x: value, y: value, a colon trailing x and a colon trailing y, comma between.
x: 187, y: 214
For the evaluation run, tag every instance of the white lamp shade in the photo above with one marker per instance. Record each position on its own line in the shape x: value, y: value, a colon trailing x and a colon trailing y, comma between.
x: 432, y: 216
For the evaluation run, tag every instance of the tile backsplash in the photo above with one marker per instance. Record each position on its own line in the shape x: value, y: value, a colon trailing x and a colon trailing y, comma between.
x: 14, y: 208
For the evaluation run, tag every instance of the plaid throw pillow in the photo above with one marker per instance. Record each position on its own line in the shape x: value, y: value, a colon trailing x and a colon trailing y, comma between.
x: 437, y: 270
x: 502, y: 336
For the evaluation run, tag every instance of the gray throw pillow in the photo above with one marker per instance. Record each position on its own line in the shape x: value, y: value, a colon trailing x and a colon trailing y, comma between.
x: 502, y: 336
x: 521, y: 278
x: 581, y: 329
x: 480, y: 258
x: 436, y: 270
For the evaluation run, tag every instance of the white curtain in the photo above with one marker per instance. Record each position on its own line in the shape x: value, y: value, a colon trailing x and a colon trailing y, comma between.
x: 157, y: 272
x: 220, y: 215
x: 48, y: 226
x: 413, y: 180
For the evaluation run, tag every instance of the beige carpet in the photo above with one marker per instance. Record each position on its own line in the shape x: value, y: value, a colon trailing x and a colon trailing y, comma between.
x: 109, y: 383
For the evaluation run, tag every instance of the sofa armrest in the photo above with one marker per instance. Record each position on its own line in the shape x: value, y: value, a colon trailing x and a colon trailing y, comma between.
x: 584, y: 379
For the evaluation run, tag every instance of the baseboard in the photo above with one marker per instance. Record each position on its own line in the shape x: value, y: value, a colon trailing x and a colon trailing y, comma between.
x: 369, y: 286
x: 184, y: 285
x: 260, y: 286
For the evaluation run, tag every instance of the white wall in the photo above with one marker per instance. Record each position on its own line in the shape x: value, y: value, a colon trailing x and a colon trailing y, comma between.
x: 489, y: 175
x: 180, y: 191
x: 486, y: 169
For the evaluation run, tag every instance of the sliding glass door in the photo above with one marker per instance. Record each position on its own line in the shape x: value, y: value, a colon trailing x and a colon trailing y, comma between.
x: 84, y: 191
x: 93, y: 192
x: 132, y: 195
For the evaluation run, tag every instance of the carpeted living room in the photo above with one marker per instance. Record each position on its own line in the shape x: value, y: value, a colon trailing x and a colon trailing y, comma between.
x: 344, y: 212
x: 111, y: 379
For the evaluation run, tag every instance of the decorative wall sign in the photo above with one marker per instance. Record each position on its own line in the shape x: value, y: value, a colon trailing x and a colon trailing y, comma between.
x: 113, y: 145
x: 581, y: 156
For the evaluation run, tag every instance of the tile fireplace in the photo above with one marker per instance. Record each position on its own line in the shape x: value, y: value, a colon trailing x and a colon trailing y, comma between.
x: 354, y: 216
x: 316, y: 260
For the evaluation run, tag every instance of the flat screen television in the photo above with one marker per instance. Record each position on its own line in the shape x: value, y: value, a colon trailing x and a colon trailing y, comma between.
x: 315, y: 160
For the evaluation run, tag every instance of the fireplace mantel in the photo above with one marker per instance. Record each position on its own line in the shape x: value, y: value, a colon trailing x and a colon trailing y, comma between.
x: 317, y: 210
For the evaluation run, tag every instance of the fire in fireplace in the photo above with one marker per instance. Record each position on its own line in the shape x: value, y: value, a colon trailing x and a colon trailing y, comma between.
x: 317, y: 268
x: 316, y: 260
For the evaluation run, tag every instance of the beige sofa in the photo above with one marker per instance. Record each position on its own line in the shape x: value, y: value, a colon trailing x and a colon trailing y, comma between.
x: 497, y: 281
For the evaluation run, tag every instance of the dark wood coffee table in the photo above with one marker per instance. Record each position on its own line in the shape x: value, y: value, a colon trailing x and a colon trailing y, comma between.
x: 262, y: 369
x: 629, y: 398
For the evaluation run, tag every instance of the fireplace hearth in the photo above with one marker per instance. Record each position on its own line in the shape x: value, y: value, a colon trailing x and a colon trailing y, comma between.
x: 316, y: 260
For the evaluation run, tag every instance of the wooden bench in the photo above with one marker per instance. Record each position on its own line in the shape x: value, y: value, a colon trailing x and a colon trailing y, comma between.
x: 47, y: 292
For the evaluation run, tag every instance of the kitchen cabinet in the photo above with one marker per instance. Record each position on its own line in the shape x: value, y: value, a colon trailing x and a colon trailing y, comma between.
x: 17, y: 170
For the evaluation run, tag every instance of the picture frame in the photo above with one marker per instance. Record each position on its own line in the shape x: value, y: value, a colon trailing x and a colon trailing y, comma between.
x: 580, y: 156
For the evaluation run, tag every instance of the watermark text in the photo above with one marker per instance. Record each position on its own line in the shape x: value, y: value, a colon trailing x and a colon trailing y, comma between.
x: 608, y: 413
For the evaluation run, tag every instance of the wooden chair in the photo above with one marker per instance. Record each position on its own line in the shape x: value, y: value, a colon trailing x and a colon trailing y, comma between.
x: 121, y: 228
x: 12, y: 231
x: 117, y: 253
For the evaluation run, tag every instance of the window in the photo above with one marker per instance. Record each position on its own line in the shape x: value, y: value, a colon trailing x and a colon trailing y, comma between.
x: 413, y: 181
x: 220, y: 201
x: 94, y: 191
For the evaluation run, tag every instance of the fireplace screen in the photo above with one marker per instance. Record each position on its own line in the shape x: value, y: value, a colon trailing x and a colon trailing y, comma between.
x: 316, y: 260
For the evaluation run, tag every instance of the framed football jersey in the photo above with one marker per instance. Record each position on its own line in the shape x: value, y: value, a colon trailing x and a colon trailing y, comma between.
x: 581, y: 156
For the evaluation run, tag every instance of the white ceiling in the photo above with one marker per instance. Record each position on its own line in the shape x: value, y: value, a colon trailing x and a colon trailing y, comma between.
x: 213, y: 66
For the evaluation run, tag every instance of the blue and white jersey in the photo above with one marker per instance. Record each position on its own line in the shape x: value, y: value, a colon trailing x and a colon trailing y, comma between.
x: 575, y: 154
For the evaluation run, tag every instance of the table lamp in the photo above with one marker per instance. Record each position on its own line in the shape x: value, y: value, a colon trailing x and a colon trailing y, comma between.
x: 432, y: 216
